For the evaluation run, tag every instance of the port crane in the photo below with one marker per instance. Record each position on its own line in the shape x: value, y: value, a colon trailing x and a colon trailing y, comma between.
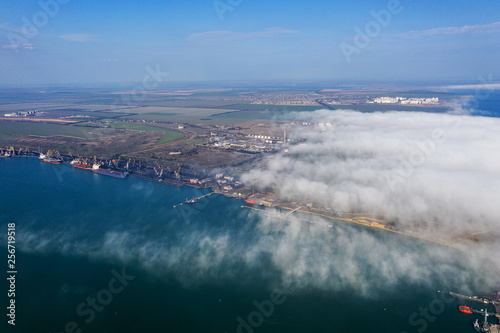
x: 4, y: 154
x: 177, y: 173
x: 24, y: 150
x: 158, y: 173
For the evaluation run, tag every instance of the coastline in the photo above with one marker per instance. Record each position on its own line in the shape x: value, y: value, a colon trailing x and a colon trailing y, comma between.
x: 361, y: 220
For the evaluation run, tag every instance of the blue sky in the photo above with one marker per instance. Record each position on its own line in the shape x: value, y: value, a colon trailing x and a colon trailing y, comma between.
x: 115, y: 41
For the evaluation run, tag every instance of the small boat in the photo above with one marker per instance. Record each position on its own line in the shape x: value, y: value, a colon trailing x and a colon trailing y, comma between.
x: 250, y: 202
x: 465, y: 309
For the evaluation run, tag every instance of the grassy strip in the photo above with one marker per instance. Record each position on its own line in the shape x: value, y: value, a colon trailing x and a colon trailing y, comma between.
x: 272, y: 107
x: 170, y: 136
x: 135, y: 127
x: 10, y: 129
x: 167, y: 134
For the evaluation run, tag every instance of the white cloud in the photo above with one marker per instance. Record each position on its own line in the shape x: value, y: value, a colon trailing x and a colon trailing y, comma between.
x: 391, y: 164
x: 25, y: 46
x: 292, y: 254
x: 447, y: 31
x: 405, y: 166
x: 484, y: 86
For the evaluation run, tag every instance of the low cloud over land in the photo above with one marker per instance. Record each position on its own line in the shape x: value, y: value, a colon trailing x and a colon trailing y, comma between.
x: 402, y: 165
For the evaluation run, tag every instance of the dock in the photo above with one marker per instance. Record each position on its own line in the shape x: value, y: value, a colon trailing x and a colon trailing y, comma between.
x: 486, y: 301
x: 284, y: 216
x: 194, y: 200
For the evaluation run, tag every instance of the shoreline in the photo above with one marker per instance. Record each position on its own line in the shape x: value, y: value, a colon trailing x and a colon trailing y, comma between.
x: 364, y: 221
x: 379, y: 226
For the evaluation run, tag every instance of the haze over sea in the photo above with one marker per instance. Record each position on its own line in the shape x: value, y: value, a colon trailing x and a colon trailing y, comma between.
x: 199, y: 268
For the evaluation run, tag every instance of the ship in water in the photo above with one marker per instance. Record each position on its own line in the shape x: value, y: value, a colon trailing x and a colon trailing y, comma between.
x: 48, y: 159
x: 4, y: 153
x: 107, y: 172
x: 81, y: 165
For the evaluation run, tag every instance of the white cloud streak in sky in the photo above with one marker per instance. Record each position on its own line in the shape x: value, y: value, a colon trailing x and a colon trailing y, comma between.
x: 492, y: 28
x: 24, y: 46
x: 484, y: 86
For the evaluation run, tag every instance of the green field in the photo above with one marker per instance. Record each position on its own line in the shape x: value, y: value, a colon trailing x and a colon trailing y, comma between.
x: 163, y: 114
x: 188, y: 103
x: 179, y: 115
x: 360, y: 107
x: 135, y: 127
x: 272, y: 107
x: 168, y: 135
x: 257, y: 114
x: 13, y: 129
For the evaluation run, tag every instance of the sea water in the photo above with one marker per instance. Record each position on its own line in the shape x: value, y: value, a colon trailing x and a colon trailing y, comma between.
x: 100, y: 254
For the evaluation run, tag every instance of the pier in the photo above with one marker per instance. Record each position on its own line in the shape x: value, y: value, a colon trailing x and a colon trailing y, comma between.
x: 284, y: 216
x: 194, y: 200
x: 493, y: 300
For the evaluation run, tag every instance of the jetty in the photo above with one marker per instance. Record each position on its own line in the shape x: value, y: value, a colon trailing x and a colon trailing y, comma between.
x: 194, y: 200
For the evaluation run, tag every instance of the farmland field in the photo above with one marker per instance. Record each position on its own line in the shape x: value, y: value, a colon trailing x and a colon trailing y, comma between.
x: 13, y: 129
x: 272, y: 107
x: 176, y: 114
x: 168, y: 135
